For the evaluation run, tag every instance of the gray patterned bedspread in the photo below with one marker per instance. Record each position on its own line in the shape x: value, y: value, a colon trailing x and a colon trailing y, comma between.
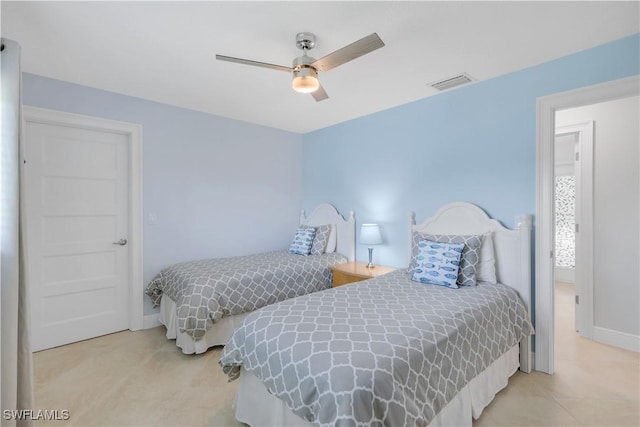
x: 207, y: 290
x: 386, y: 351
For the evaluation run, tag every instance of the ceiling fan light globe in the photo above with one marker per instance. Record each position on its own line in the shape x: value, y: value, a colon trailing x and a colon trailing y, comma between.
x: 305, y: 79
x: 305, y: 84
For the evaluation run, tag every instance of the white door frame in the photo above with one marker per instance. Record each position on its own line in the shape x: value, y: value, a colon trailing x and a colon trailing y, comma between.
x: 584, y: 224
x: 133, y: 133
x: 546, y: 108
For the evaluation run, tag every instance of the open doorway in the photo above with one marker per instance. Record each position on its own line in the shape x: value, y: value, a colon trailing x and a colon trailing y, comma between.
x: 607, y: 226
x: 615, y: 295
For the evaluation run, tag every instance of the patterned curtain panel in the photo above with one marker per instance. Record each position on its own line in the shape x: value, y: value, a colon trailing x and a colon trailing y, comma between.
x: 565, y: 221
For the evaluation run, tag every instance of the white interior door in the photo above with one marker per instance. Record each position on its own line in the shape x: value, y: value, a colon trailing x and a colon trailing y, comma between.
x: 77, y: 225
x: 584, y: 230
x: 581, y: 154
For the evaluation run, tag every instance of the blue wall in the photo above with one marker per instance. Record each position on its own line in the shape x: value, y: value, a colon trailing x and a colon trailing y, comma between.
x: 218, y: 187
x: 475, y: 143
x: 206, y: 177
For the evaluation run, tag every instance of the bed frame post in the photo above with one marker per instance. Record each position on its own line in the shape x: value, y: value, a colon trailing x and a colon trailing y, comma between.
x: 412, y: 223
x: 524, y: 224
x: 352, y: 239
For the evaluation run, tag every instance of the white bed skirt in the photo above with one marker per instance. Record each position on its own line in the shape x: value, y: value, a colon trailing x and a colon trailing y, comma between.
x: 219, y: 333
x: 257, y: 407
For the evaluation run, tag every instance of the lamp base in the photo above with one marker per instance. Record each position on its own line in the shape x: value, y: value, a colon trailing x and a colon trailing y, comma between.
x: 370, y: 265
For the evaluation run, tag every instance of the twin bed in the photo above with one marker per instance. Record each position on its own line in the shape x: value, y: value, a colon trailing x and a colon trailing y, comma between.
x: 386, y: 351
x: 202, y: 302
x: 391, y: 350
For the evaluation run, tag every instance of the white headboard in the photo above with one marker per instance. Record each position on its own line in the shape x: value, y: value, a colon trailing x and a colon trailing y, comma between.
x: 326, y: 213
x: 512, y: 248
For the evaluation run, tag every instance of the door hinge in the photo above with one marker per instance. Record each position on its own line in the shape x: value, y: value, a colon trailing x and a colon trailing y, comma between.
x: 577, y: 228
x: 577, y: 299
x: 577, y: 156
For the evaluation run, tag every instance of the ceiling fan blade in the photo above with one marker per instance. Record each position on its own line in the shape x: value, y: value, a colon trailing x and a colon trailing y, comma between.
x: 255, y: 63
x: 319, y: 94
x: 349, y: 52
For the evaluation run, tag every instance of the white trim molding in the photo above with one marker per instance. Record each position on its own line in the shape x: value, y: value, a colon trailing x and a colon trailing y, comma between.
x: 546, y: 108
x: 617, y: 338
x: 151, y: 321
x: 133, y: 132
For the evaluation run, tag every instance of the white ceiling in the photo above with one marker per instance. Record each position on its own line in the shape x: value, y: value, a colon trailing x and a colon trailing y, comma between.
x: 165, y: 51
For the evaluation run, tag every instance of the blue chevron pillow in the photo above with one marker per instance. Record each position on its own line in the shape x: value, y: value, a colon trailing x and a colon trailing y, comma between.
x: 438, y: 263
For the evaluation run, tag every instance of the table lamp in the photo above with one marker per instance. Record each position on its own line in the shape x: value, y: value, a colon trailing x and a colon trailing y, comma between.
x: 370, y: 235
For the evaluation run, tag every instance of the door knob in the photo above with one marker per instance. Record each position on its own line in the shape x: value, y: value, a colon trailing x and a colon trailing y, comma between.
x: 121, y: 242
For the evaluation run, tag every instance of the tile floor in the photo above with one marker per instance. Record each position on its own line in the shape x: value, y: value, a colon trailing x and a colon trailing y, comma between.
x: 141, y: 379
x: 594, y: 384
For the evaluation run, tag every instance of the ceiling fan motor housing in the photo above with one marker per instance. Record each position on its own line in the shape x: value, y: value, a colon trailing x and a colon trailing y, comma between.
x: 305, y: 41
x: 305, y: 71
x: 302, y: 67
x: 303, y: 61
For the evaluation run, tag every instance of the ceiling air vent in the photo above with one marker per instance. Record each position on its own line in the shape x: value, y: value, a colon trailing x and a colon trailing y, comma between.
x: 452, y: 82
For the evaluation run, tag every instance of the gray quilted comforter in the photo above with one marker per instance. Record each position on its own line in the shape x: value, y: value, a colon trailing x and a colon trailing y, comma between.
x: 386, y: 351
x: 207, y: 290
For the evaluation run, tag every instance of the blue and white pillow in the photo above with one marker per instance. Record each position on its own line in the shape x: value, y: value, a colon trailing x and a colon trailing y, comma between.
x: 470, y: 255
x: 438, y: 263
x: 302, y: 241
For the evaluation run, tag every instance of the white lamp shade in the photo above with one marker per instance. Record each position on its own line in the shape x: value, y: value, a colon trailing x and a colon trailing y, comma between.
x: 370, y: 234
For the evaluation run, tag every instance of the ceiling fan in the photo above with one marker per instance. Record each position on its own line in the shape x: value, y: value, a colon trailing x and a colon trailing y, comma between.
x: 305, y: 68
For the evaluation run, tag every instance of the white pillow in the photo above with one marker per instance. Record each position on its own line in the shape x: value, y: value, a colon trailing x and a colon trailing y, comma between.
x: 486, y: 268
x: 333, y: 240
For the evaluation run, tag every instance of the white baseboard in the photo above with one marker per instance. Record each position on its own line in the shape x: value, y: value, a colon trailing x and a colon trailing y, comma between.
x: 151, y: 321
x: 617, y: 338
x: 562, y: 274
x: 532, y: 362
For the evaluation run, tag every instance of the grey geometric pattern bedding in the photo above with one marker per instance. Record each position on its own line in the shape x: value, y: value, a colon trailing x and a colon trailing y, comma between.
x: 207, y: 290
x: 386, y: 351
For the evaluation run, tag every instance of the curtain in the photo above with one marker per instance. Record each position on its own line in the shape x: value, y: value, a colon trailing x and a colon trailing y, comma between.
x: 16, y: 391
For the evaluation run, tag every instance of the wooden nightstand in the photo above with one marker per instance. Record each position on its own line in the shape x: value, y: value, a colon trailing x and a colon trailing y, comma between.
x: 350, y: 272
